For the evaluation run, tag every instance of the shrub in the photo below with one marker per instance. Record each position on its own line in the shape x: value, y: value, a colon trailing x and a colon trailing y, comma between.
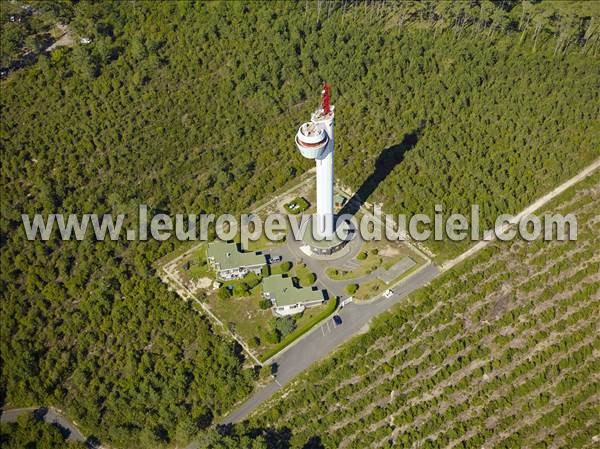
x: 285, y: 326
x: 271, y: 336
x: 286, y: 266
x: 265, y: 372
x: 254, y: 342
x: 309, y: 279
x: 223, y: 293
x: 241, y: 289
x: 265, y: 304
x: 351, y: 288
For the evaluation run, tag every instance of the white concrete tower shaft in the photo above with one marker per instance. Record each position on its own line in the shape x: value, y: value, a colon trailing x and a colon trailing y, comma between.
x: 324, y: 219
x: 315, y: 141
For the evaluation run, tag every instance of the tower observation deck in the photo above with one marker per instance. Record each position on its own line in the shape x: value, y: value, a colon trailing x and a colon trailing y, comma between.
x: 315, y: 141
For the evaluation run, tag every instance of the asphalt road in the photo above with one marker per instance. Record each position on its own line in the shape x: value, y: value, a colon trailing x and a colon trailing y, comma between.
x: 49, y: 415
x: 319, y: 343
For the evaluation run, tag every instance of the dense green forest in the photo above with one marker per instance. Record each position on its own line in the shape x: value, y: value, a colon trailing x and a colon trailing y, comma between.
x: 191, y: 107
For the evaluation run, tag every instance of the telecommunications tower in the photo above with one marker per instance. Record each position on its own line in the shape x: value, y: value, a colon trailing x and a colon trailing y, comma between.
x: 315, y: 141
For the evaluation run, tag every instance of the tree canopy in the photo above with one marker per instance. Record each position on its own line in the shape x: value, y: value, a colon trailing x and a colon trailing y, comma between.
x: 191, y: 107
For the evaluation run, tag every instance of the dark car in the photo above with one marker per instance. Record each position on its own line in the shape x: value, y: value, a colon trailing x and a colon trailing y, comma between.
x: 337, y: 320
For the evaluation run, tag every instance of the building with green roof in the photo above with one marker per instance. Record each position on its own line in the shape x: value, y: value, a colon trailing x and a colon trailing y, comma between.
x: 339, y: 201
x: 228, y: 262
x: 288, y: 299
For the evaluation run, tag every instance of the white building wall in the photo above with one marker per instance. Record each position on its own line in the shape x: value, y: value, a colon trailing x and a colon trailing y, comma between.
x: 289, y: 310
x: 324, y: 219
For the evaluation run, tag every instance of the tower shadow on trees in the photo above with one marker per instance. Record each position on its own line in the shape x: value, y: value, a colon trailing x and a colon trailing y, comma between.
x: 387, y: 160
x: 314, y: 443
x: 274, y: 438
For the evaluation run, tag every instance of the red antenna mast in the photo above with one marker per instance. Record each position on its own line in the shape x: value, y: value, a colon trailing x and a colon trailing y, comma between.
x: 326, y: 99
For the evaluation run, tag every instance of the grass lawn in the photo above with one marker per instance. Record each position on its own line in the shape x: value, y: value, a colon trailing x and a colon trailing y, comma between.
x: 368, y: 265
x: 310, y: 318
x: 241, y: 312
x: 244, y: 316
x: 376, y: 286
x: 305, y: 277
x: 262, y: 243
x: 199, y: 269
x: 297, y: 206
x: 194, y: 266
x: 278, y: 268
x: 369, y: 289
x: 179, y: 251
x: 382, y: 254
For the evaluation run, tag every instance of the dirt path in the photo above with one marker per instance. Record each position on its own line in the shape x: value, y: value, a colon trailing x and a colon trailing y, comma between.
x: 65, y: 40
x: 528, y: 210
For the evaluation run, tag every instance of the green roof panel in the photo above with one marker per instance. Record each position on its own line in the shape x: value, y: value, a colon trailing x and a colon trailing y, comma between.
x: 283, y: 291
x: 228, y: 256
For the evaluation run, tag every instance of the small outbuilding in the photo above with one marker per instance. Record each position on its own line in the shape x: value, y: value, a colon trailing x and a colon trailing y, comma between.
x: 339, y: 201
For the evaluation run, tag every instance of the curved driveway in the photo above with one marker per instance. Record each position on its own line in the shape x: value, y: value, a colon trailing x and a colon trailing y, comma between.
x: 291, y: 251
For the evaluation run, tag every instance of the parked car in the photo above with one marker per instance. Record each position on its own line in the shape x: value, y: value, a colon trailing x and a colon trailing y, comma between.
x: 388, y: 293
x: 275, y: 259
x: 337, y: 320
